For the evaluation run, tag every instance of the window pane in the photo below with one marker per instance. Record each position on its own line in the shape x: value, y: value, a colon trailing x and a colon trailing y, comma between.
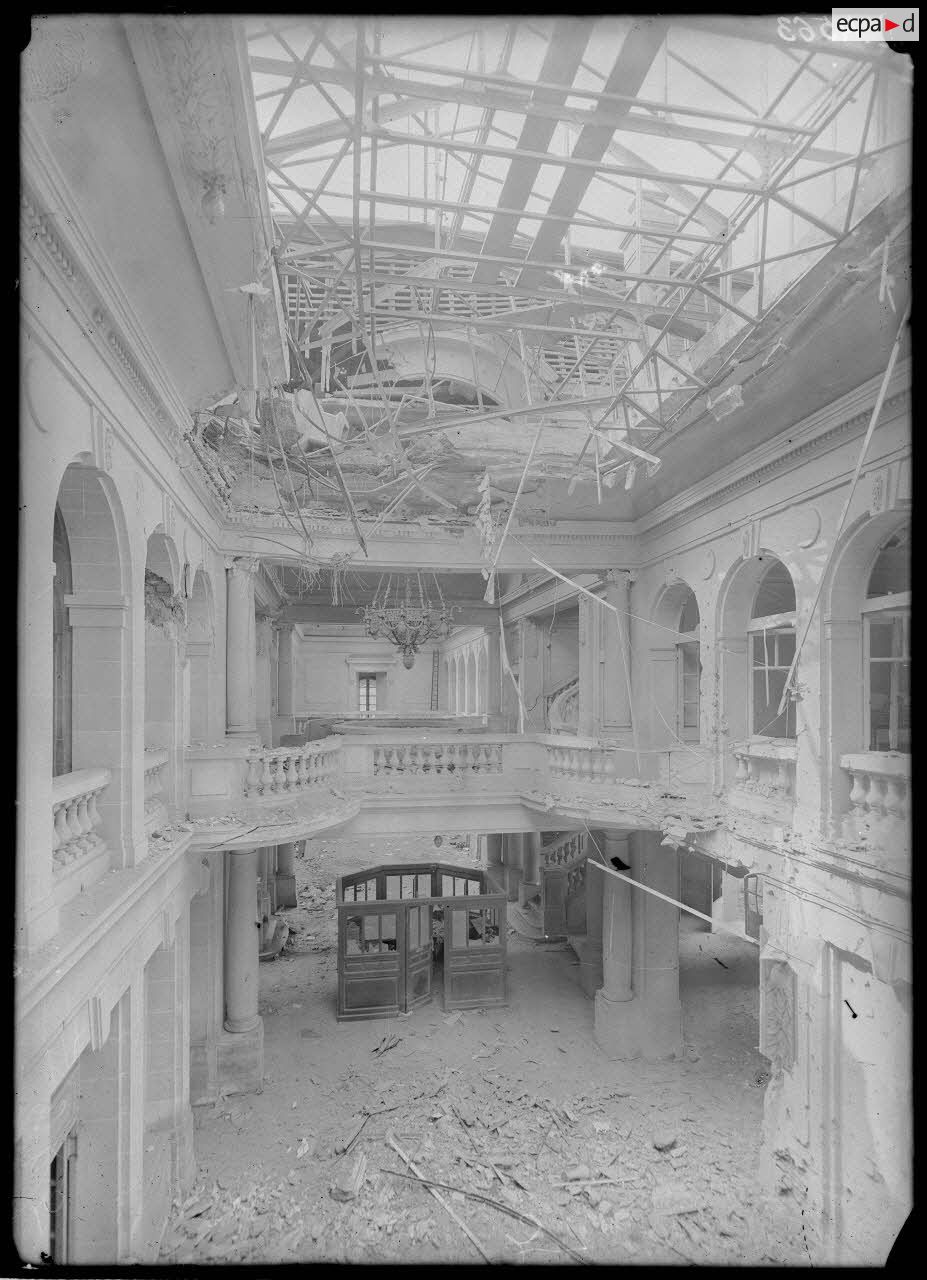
x: 759, y: 651
x: 458, y: 928
x: 353, y: 934
x: 388, y: 932
x: 689, y: 618
x: 690, y: 715
x: 880, y: 684
x: 785, y: 648
x: 412, y: 928
x: 690, y: 662
x: 892, y: 569
x: 765, y: 719
x: 776, y: 592
x: 880, y: 639
x: 690, y: 688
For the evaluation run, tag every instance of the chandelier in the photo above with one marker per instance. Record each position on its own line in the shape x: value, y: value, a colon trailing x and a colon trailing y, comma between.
x: 403, y: 613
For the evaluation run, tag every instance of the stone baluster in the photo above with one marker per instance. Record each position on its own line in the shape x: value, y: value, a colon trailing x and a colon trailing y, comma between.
x: 253, y: 775
x: 302, y: 769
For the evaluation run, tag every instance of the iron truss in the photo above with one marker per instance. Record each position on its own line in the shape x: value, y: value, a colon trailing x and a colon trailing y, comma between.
x: 618, y: 203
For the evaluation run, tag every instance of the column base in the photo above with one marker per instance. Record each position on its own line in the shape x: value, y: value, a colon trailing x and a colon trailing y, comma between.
x: 590, y: 966
x: 286, y: 890
x: 527, y: 890
x: 634, y: 1029
x: 244, y: 735
x: 240, y: 1061
x: 513, y: 882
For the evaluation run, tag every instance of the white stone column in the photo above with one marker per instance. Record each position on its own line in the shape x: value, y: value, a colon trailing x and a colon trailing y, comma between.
x: 590, y: 949
x: 616, y: 923
x: 643, y: 1017
x: 242, y: 928
x: 241, y: 651
x: 493, y: 660
x: 286, y: 678
x: 531, y: 671
x: 588, y: 718
x: 286, y: 874
x: 614, y: 675
x: 514, y: 862
x: 531, y: 860
x: 494, y: 863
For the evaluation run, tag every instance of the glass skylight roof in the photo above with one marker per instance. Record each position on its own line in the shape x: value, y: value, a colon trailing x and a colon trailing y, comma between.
x: 662, y: 176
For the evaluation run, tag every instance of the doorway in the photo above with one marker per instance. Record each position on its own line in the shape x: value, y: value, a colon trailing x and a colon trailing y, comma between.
x: 405, y: 935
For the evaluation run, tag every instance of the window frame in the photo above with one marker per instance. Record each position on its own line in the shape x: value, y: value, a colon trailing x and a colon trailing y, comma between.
x: 688, y: 733
x: 882, y: 609
x: 771, y: 625
x: 366, y: 679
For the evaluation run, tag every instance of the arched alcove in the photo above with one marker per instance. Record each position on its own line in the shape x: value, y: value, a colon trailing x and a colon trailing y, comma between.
x: 165, y: 626
x: 868, y: 591
x: 675, y: 658
x: 756, y: 642
x: 62, y: 667
x: 91, y: 553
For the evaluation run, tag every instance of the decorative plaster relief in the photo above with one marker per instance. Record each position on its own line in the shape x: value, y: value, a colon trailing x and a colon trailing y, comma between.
x: 806, y: 526
x: 53, y: 59
x: 750, y: 540
x: 709, y: 561
x: 878, y: 492
x: 199, y: 100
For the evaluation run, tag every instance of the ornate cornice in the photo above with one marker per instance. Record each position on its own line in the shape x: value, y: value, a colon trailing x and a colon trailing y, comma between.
x: 819, y: 438
x: 63, y: 247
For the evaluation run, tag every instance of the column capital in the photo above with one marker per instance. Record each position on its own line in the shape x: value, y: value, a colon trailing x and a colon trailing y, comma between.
x: 242, y: 564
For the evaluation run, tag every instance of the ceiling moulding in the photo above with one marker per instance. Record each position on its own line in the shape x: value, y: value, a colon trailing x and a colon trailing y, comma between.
x: 195, y: 76
x: 62, y: 243
x: 848, y: 415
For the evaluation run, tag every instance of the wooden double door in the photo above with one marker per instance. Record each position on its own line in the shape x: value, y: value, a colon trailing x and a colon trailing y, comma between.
x: 387, y: 954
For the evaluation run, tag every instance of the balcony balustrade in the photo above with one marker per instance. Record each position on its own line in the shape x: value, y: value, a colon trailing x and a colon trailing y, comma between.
x: 765, y: 779
x: 436, y: 758
x: 423, y: 769
x: 880, y: 800
x: 75, y: 817
x: 283, y: 771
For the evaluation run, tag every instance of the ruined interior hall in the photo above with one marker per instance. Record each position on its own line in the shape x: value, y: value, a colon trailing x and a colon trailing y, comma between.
x: 463, y: 765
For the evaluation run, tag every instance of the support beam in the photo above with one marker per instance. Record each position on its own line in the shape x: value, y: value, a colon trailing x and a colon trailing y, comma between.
x: 638, y: 50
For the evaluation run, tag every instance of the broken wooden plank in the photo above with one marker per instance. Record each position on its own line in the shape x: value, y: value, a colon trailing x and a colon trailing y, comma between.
x: 391, y: 1139
x: 350, y: 1178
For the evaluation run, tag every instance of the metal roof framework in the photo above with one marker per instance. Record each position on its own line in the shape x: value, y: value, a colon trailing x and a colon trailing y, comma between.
x: 740, y: 159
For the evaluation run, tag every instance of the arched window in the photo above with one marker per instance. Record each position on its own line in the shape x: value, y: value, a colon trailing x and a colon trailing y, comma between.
x: 688, y: 671
x: 771, y: 633
x: 887, y: 647
x: 62, y: 649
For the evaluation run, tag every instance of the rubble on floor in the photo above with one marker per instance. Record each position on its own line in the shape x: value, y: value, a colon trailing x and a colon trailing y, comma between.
x: 544, y: 1150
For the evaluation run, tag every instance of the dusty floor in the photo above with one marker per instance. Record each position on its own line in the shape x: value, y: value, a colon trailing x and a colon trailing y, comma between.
x: 524, y: 1087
